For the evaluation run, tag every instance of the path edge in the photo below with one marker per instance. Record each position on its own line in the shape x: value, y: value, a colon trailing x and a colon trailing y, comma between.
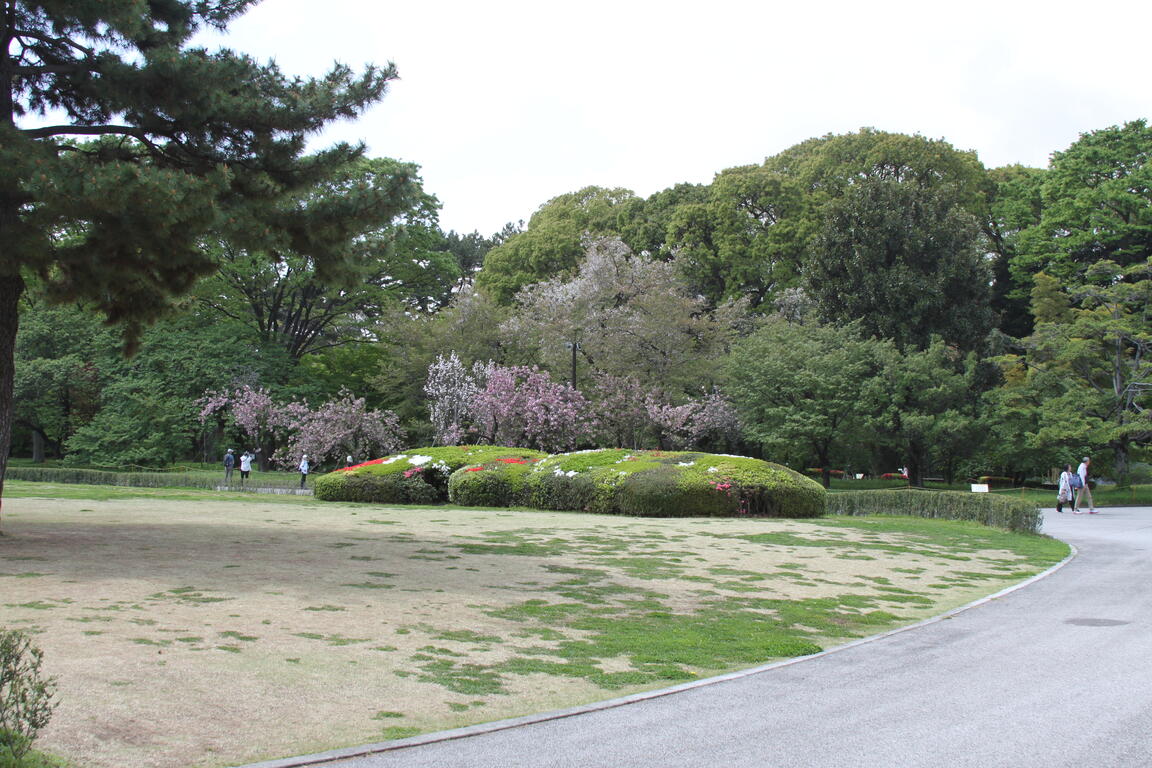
x: 436, y: 737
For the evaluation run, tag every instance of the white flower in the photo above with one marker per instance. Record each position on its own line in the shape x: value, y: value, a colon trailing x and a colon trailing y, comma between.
x: 712, y: 469
x: 394, y: 458
x: 571, y: 473
x: 419, y: 461
x: 685, y: 463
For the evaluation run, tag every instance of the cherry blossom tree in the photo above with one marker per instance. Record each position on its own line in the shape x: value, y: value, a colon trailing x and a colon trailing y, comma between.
x: 340, y: 428
x: 284, y: 431
x: 450, y: 391
x: 708, y: 421
x: 521, y: 406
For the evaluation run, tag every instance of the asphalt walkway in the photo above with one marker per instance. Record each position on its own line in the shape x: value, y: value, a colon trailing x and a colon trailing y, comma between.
x: 1058, y: 673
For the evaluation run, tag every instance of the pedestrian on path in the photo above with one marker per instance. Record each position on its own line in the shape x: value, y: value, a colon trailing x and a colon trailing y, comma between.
x: 1064, y: 492
x: 229, y: 465
x: 303, y: 470
x: 1082, y: 472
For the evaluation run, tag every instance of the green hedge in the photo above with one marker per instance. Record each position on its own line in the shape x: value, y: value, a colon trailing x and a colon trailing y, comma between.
x: 207, y: 479
x: 418, y: 476
x: 997, y: 511
x: 643, y: 483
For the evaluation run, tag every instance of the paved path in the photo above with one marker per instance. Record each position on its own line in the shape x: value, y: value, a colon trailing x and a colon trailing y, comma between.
x: 1056, y: 674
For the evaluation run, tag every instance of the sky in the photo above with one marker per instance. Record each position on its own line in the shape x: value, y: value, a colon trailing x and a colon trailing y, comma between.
x: 506, y: 104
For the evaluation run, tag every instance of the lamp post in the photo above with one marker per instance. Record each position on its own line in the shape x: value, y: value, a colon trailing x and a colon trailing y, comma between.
x: 575, y: 347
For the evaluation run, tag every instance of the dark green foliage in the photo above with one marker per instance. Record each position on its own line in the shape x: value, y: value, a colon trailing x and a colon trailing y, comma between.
x: 906, y: 262
x: 25, y: 696
x: 996, y: 511
x: 481, y: 488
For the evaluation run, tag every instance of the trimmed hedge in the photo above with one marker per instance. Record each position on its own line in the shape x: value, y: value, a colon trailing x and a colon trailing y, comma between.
x: 419, y: 476
x: 203, y: 479
x: 997, y: 511
x: 644, y: 484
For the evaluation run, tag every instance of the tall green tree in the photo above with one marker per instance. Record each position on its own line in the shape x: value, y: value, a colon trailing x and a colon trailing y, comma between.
x: 1014, y: 205
x: 182, y: 142
x: 398, y: 260
x: 924, y: 407
x: 553, y: 243
x: 797, y: 389
x: 747, y: 240
x: 1091, y: 349
x: 905, y: 261
x: 1097, y: 204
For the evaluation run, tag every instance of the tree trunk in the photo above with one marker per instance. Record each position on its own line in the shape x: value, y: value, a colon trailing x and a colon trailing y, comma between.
x: 37, y: 447
x: 1120, y: 461
x: 11, y: 286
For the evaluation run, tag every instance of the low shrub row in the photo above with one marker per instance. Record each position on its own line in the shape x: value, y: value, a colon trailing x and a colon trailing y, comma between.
x: 614, y: 481
x: 997, y: 511
x: 210, y: 479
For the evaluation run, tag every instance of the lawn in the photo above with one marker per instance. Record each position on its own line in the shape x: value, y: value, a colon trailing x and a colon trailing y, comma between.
x: 203, y: 629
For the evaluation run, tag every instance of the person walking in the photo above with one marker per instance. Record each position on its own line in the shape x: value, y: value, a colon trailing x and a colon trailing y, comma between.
x: 246, y: 465
x: 229, y: 464
x: 1082, y: 472
x: 1064, y: 491
x: 303, y: 470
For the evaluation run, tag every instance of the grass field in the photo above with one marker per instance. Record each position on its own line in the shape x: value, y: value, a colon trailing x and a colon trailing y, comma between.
x: 191, y: 628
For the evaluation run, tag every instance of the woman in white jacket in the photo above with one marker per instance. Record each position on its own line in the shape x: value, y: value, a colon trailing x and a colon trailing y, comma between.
x: 1064, y: 490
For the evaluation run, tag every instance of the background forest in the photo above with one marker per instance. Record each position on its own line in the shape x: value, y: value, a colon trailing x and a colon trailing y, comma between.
x: 858, y: 303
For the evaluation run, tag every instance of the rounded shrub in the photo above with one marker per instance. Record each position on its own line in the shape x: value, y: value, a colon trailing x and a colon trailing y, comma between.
x: 500, y: 482
x: 418, y: 476
x: 671, y: 484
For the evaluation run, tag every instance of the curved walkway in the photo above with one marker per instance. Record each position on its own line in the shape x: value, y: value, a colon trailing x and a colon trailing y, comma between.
x: 1057, y: 674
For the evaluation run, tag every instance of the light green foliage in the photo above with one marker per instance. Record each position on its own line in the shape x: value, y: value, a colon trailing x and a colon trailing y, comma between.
x: 654, y: 484
x: 747, y: 239
x: 552, y: 245
x: 419, y: 476
x: 925, y: 405
x: 25, y: 695
x: 1097, y: 204
x: 798, y: 388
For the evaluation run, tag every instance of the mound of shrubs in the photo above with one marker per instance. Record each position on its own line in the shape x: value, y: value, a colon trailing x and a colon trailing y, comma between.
x: 614, y: 481
x: 420, y: 476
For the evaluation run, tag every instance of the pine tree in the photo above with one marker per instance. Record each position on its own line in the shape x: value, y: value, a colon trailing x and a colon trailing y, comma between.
x: 122, y: 146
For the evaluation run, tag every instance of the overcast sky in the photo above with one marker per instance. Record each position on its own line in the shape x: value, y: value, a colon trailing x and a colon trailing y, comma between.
x: 507, y: 103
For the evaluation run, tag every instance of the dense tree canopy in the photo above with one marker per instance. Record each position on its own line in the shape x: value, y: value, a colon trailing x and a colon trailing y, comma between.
x: 904, y: 261
x: 870, y: 300
x: 184, y: 142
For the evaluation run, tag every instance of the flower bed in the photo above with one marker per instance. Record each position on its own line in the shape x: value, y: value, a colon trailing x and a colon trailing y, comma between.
x: 419, y: 476
x: 643, y: 483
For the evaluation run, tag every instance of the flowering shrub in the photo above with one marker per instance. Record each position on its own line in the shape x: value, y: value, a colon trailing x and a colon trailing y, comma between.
x: 286, y: 431
x: 893, y: 476
x: 420, y: 476
x: 504, y: 405
x: 651, y: 483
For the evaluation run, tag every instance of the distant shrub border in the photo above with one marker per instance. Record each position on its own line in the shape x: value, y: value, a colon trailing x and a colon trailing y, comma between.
x: 612, y: 481
x: 996, y: 511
